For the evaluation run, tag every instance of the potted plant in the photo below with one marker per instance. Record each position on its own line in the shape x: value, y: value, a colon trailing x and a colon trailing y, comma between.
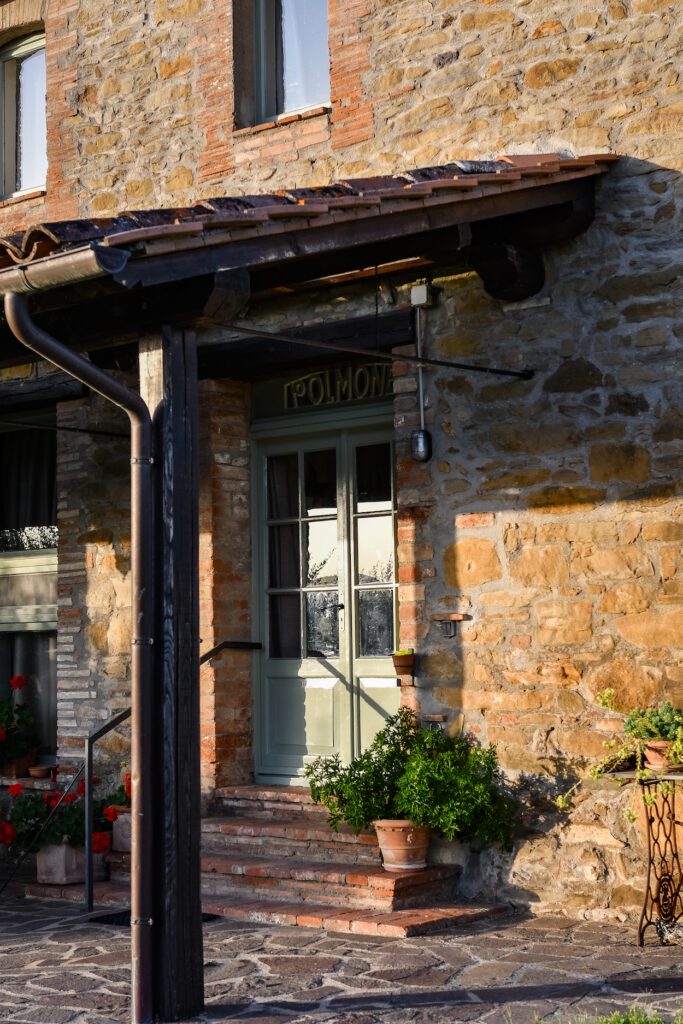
x: 17, y: 732
x: 404, y: 661
x: 652, y: 742
x: 118, y: 813
x: 412, y: 777
x: 60, y: 836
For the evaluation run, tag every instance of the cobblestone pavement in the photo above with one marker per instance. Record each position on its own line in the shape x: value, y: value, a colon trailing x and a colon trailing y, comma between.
x: 57, y: 967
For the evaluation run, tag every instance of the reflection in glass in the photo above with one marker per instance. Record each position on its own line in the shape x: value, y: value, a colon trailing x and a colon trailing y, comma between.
x: 283, y: 486
x: 321, y: 553
x: 375, y: 623
x: 373, y: 477
x: 31, y: 121
x: 322, y: 624
x: 283, y: 556
x: 375, y: 554
x: 306, y: 62
x: 320, y: 482
x: 285, y: 626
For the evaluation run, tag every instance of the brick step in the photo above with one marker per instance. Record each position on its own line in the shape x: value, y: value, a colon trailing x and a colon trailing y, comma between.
x: 267, y: 802
x: 396, y: 924
x: 346, y: 885
x: 391, y: 924
x: 309, y: 839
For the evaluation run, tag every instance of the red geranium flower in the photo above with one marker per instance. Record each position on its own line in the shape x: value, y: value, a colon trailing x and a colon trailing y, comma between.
x: 100, y: 842
x: 6, y: 833
x: 70, y: 798
x: 127, y: 784
x: 3, y: 733
x: 52, y: 798
x: 18, y: 682
x: 110, y: 813
x: 80, y: 788
x: 16, y: 789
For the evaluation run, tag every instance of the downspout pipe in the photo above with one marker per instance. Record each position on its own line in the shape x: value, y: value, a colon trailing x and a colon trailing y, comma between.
x: 142, y: 572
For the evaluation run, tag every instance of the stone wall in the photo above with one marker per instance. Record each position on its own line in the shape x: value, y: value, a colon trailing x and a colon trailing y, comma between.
x: 93, y: 516
x: 141, y: 95
x: 550, y: 514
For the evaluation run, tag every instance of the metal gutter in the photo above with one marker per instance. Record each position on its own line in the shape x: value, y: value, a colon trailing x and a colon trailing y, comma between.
x: 142, y: 573
x: 63, y: 268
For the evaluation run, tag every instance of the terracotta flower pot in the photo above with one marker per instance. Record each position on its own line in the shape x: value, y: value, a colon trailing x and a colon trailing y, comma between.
x: 404, y: 663
x: 656, y: 759
x: 64, y: 865
x: 404, y: 845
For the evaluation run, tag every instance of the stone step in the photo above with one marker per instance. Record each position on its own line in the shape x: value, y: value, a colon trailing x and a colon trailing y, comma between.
x: 267, y: 801
x: 289, y: 837
x: 390, y: 924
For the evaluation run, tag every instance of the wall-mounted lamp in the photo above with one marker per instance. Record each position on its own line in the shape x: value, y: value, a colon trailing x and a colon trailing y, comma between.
x: 420, y: 440
x: 448, y: 623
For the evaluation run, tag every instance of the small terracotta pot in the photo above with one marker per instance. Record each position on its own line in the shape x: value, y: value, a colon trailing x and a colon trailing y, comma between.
x: 404, y: 663
x: 404, y: 845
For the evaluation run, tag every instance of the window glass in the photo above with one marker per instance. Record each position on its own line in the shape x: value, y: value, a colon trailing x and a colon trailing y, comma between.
x: 285, y: 626
x: 320, y: 482
x: 322, y: 624
x: 373, y: 477
x: 283, y: 486
x: 292, y: 64
x: 375, y: 623
x: 375, y: 547
x: 305, y: 59
x: 24, y: 121
x: 31, y: 155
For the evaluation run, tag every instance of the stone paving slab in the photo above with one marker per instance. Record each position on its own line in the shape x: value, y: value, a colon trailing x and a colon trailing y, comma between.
x: 58, y: 967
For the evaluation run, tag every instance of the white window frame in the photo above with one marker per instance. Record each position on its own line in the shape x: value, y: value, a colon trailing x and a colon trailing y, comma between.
x: 9, y: 57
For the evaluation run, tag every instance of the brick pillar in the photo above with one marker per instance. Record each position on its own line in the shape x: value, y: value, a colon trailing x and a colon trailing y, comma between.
x: 225, y: 583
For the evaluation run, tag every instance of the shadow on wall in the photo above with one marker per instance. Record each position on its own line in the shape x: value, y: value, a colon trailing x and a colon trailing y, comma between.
x: 550, y: 514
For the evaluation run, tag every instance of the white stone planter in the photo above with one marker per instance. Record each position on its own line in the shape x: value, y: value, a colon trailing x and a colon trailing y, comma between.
x: 121, y: 839
x: 65, y: 865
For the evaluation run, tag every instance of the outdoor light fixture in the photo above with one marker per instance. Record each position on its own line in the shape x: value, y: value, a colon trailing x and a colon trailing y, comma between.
x: 420, y: 440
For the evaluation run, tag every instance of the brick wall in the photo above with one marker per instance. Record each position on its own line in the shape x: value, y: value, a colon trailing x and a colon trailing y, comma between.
x: 225, y: 584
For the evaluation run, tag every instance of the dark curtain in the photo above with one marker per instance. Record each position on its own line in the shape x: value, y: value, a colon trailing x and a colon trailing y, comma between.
x: 33, y: 654
x: 27, y: 471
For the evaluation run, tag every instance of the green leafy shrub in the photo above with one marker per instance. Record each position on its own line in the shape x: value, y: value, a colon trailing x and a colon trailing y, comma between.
x: 659, y: 722
x: 450, y: 784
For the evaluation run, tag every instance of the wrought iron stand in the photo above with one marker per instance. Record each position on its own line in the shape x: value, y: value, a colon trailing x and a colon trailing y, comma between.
x: 663, y: 904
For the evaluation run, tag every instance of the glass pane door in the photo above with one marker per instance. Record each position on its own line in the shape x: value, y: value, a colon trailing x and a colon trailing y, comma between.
x: 328, y: 598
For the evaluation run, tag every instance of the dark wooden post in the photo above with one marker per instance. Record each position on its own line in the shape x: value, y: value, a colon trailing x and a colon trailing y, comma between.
x: 168, y: 381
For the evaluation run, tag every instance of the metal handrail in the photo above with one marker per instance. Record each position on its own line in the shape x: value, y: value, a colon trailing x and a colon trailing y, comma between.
x: 240, y: 645
x: 88, y: 765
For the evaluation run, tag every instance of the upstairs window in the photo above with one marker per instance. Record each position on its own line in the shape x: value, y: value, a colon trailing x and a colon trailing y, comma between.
x: 292, y: 66
x: 24, y: 123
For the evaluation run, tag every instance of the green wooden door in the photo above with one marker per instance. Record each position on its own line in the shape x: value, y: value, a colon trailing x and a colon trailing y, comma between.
x: 327, y: 594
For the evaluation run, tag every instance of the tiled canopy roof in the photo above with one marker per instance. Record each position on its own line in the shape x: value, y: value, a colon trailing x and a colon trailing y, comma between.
x: 219, y: 220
